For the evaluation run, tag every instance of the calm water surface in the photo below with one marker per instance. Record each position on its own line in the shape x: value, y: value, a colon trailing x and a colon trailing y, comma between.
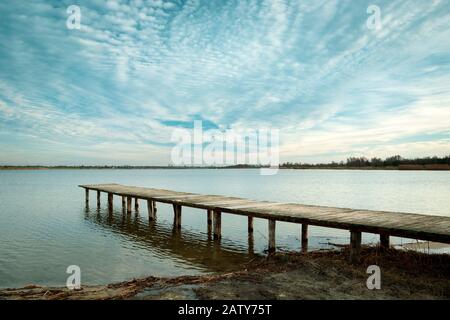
x: 45, y: 227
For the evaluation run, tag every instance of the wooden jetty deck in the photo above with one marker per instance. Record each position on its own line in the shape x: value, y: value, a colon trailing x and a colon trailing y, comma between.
x: 386, y: 224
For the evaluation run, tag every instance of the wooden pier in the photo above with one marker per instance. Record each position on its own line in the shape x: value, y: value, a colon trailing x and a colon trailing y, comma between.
x: 386, y: 224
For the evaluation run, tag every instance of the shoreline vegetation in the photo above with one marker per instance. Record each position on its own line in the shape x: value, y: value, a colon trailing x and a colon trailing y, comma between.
x: 352, y: 163
x: 327, y: 274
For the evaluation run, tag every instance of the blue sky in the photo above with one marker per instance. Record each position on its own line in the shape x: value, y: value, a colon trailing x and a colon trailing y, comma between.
x: 113, y: 91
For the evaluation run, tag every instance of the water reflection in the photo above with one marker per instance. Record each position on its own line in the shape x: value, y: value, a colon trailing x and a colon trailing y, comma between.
x: 169, y: 242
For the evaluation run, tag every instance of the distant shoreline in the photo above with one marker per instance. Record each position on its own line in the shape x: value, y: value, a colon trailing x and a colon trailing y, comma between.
x: 352, y: 163
x: 369, y: 168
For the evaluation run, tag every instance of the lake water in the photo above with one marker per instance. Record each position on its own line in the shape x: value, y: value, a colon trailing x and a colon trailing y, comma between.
x: 45, y: 227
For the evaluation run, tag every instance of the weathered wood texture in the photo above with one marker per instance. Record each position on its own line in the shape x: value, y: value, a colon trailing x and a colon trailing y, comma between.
x: 177, y: 215
x: 384, y: 241
x: 217, y: 224
x: 110, y: 202
x: 272, y: 224
x: 151, y: 210
x: 250, y: 224
x: 210, y: 217
x: 129, y: 204
x: 408, y: 225
x: 355, y: 246
x: 304, y: 237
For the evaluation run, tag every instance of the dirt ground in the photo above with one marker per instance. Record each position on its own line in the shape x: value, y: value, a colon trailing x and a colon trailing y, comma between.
x: 315, y: 275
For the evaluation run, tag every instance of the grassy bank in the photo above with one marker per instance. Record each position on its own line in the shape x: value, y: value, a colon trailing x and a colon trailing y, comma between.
x: 316, y: 275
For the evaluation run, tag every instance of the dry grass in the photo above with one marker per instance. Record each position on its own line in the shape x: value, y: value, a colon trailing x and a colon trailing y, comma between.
x: 315, y: 275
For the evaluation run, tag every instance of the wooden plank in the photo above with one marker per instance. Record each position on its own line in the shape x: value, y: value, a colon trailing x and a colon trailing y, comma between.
x: 208, y: 200
x: 320, y: 219
x: 415, y: 226
x: 223, y: 203
x: 180, y: 196
x: 194, y: 202
x: 139, y: 192
x: 254, y: 204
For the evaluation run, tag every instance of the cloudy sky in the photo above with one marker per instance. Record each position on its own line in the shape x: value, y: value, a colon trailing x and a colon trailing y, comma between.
x: 113, y: 91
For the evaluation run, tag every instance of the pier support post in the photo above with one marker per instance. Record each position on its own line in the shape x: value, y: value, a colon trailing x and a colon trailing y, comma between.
x: 355, y: 246
x: 128, y: 204
x: 87, y: 196
x: 154, y: 209
x: 110, y: 202
x: 209, y: 220
x: 304, y: 238
x: 272, y: 235
x: 384, y: 241
x: 123, y: 203
x: 217, y: 224
x: 136, y: 204
x: 251, y: 244
x: 98, y: 199
x: 151, y: 211
x: 177, y: 215
x: 210, y: 217
x: 250, y: 224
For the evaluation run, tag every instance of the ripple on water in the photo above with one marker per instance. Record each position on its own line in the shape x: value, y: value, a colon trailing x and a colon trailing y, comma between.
x: 44, y: 226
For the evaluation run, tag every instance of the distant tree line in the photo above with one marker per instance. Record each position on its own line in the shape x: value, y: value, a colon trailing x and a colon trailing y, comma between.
x: 363, y: 162
x: 394, y: 162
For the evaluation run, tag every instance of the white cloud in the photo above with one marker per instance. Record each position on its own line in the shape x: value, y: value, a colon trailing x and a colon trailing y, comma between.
x: 311, y: 69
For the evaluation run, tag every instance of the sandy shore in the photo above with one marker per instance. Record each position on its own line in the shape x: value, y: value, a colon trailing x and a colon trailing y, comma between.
x: 316, y: 275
